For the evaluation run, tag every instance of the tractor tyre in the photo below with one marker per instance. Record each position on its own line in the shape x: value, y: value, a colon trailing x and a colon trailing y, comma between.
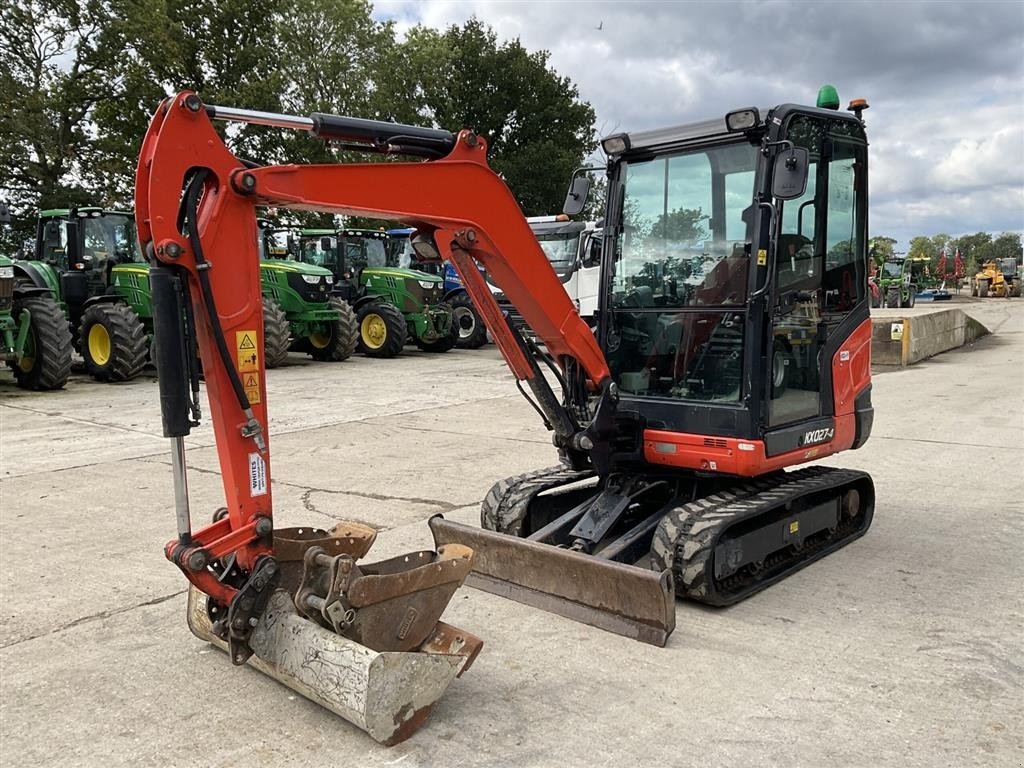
x: 113, y: 342
x: 443, y: 343
x: 382, y: 329
x: 911, y: 298
x: 46, y: 360
x: 892, y: 298
x: 782, y: 362
x: 276, y: 330
x: 344, y: 335
x: 982, y: 289
x: 472, y: 333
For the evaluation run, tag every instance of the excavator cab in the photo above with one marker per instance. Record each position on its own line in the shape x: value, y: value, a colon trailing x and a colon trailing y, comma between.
x: 734, y: 319
x: 719, y: 297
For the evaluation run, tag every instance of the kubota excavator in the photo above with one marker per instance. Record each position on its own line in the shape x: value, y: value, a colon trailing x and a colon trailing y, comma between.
x: 732, y: 341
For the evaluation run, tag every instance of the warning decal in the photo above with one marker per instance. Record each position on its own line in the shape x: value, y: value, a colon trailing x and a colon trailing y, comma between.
x: 251, y: 385
x: 762, y: 257
x: 257, y: 475
x: 248, y: 352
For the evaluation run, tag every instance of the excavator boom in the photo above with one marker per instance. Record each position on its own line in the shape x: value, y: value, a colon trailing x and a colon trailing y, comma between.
x: 195, y: 205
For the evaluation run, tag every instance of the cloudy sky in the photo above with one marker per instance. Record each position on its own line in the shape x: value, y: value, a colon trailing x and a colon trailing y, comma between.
x: 945, y: 81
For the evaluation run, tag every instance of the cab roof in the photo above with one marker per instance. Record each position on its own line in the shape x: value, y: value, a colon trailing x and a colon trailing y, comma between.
x: 715, y: 128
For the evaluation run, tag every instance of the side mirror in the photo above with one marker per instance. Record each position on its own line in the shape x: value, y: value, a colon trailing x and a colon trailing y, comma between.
x: 789, y: 179
x: 325, y: 243
x: 576, y: 200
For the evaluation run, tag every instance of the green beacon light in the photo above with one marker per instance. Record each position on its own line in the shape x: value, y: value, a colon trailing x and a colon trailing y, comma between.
x: 828, y: 98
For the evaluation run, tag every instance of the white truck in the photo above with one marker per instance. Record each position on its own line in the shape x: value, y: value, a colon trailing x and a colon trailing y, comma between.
x: 574, y: 250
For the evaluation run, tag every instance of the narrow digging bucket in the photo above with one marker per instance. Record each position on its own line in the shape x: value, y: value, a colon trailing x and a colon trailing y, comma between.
x: 389, y: 695
x: 368, y: 643
x: 626, y: 599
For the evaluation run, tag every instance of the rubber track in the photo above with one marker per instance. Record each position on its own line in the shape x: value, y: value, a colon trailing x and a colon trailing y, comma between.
x: 506, y: 504
x: 686, y: 538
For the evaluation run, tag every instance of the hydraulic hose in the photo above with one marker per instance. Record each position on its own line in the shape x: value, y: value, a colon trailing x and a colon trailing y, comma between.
x: 193, y: 191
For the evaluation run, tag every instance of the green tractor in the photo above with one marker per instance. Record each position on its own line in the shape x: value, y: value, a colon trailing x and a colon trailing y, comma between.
x: 391, y: 303
x: 299, y: 311
x: 899, y: 281
x: 89, y: 260
x: 34, y: 334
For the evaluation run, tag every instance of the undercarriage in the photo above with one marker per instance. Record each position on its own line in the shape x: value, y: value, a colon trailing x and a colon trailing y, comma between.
x: 615, y: 554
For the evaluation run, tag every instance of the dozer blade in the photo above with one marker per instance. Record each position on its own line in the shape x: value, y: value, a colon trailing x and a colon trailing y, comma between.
x: 625, y: 599
x: 389, y: 695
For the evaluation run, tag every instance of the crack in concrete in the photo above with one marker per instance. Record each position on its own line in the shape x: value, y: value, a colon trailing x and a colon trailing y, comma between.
x: 309, y: 506
x: 94, y: 617
x: 941, y: 442
x: 444, y: 506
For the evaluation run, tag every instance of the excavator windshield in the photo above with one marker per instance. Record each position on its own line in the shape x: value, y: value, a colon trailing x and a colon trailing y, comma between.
x: 681, y: 247
x: 682, y: 219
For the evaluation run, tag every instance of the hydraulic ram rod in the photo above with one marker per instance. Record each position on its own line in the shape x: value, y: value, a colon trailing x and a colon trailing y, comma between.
x: 378, y: 135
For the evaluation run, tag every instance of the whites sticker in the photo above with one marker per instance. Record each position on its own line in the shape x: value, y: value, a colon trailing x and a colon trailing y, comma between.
x: 257, y: 475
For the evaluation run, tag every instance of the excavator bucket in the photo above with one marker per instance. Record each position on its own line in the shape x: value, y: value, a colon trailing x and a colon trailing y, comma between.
x: 367, y: 642
x: 626, y: 599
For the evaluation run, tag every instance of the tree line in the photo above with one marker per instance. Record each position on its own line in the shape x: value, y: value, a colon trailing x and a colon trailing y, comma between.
x: 80, y: 78
x: 974, y: 249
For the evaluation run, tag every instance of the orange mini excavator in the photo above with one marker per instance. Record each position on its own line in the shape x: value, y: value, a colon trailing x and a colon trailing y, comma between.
x: 732, y: 342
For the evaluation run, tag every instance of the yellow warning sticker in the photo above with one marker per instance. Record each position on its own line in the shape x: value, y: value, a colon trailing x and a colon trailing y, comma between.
x: 794, y: 526
x: 248, y: 352
x: 251, y: 385
x: 762, y: 257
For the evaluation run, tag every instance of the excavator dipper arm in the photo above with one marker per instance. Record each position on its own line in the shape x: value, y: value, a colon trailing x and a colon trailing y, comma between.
x: 196, y: 213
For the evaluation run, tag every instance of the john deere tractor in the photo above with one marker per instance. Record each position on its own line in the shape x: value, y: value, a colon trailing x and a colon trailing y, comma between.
x: 34, y: 334
x: 89, y: 260
x: 299, y: 311
x: 391, y: 303
x: 472, y: 333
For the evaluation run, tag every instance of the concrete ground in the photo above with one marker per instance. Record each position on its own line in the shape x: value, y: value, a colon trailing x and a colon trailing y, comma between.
x: 903, y: 649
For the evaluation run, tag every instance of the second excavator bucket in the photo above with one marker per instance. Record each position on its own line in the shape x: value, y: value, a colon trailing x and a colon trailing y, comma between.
x: 367, y: 642
x: 626, y: 599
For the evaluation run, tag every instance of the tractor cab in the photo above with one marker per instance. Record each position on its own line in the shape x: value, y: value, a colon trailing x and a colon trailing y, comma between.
x: 346, y: 253
x: 734, y: 270
x: 86, y: 246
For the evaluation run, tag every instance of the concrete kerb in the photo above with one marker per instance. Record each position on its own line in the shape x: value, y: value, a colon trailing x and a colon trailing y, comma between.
x: 900, y: 338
